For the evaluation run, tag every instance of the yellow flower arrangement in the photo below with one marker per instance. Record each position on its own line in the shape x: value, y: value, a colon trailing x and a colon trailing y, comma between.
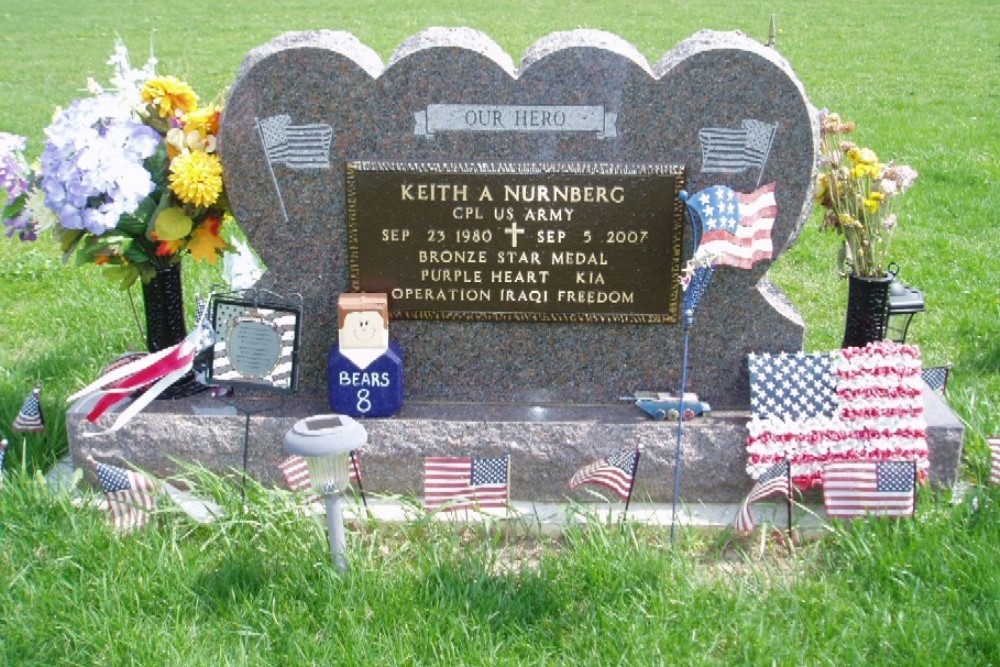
x: 143, y: 190
x: 858, y: 193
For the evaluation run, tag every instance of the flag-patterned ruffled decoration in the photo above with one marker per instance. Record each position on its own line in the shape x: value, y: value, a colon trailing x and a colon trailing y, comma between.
x: 855, y: 404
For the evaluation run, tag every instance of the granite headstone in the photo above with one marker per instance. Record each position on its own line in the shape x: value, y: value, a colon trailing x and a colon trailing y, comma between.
x: 315, y: 120
x: 720, y: 108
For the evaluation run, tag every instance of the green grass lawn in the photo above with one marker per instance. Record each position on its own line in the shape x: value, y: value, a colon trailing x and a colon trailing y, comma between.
x: 921, y: 81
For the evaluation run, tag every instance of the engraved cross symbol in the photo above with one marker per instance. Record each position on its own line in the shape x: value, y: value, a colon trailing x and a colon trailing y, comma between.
x: 514, y: 232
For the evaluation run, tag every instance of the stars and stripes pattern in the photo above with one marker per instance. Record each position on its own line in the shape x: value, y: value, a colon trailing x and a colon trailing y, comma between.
x: 455, y: 483
x: 735, y: 227
x: 131, y: 495
x: 30, y: 417
x: 295, y: 146
x: 734, y: 150
x: 143, y: 378
x: 936, y: 378
x: 774, y: 480
x: 295, y: 470
x: 615, y: 471
x: 855, y: 404
x: 859, y: 488
x: 994, y: 444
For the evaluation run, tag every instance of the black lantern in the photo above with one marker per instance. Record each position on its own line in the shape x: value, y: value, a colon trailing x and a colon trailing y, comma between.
x: 904, y: 303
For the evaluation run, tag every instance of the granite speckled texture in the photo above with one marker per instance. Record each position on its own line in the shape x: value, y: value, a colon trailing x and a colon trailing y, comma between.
x: 711, y: 80
x: 547, y: 444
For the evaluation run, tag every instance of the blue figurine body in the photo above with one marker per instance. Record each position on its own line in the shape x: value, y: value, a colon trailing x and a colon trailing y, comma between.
x: 364, y: 369
x: 373, y: 391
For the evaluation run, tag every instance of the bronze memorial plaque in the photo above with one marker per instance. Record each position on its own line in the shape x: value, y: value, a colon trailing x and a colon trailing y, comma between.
x: 545, y: 242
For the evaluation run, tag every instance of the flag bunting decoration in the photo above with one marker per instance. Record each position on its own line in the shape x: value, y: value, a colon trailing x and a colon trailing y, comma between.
x: 855, y: 404
x: 295, y: 146
x: 994, y: 460
x: 774, y: 480
x: 146, y: 377
x: 615, y: 471
x: 734, y: 150
x: 131, y: 495
x: 295, y: 470
x: 859, y: 488
x: 466, y: 483
x: 733, y: 228
x: 30, y: 417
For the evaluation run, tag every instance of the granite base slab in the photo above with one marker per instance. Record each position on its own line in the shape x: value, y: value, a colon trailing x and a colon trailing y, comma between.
x: 547, y: 443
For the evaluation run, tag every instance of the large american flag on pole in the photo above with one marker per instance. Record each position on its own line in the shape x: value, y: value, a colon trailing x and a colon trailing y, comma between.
x: 615, y: 471
x: 131, y: 495
x: 859, y: 488
x: 452, y: 483
x: 735, y: 227
x: 855, y: 404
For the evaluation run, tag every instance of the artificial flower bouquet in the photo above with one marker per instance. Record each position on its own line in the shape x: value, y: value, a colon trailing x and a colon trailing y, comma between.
x: 129, y: 178
x: 858, y: 194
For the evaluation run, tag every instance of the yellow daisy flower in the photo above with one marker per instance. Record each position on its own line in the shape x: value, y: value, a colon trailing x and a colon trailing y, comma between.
x: 169, y: 95
x: 196, y: 178
x: 204, y: 121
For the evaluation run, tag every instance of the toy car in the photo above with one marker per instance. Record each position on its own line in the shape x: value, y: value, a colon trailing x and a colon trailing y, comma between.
x: 661, y: 405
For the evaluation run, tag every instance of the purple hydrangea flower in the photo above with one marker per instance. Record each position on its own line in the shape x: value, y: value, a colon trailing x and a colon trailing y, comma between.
x: 14, y: 175
x: 92, y: 171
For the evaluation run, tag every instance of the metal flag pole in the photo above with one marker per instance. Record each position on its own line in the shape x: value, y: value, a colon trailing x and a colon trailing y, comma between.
x: 688, y: 321
x: 788, y: 472
x: 357, y: 477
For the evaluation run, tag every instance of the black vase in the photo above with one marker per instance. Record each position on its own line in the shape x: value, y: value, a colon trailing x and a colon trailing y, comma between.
x: 163, y: 301
x: 867, y: 310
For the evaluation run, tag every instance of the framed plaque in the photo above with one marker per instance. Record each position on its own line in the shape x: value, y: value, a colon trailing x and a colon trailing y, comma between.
x: 518, y: 241
x: 257, y: 342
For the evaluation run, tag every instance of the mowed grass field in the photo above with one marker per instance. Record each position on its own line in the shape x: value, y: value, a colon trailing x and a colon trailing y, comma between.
x: 920, y: 79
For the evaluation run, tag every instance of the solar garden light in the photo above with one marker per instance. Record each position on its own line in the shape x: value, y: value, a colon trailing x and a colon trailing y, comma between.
x: 326, y: 442
x: 904, y: 303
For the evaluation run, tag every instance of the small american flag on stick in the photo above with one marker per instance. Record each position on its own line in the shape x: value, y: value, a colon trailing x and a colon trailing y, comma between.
x: 131, y: 495
x: 774, y: 481
x: 30, y: 417
x: 994, y: 460
x: 615, y: 471
x: 295, y: 470
x: 858, y: 488
x: 464, y: 483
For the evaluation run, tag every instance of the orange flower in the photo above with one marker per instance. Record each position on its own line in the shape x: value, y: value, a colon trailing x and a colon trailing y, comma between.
x: 205, y: 242
x: 166, y: 248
